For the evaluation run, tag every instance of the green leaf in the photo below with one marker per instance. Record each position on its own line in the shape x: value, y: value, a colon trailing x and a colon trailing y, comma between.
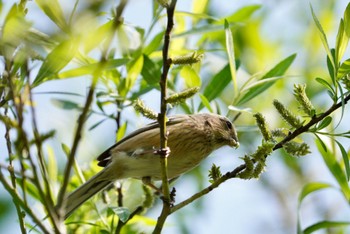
x: 154, y: 44
x: 97, y: 124
x: 52, y: 165
x: 150, y: 71
x: 231, y: 56
x: 243, y: 13
x: 325, y: 122
x: 344, y: 69
x: 324, y: 225
x: 322, y: 36
x: 345, y: 156
x: 205, y: 102
x: 122, y: 212
x: 336, y: 170
x: 310, y: 188
x: 208, y: 28
x: 276, y: 71
x: 31, y: 188
x: 54, y: 11
x: 341, y: 42
x: 65, y: 104
x: 121, y: 131
x: 65, y: 149
x: 97, y: 36
x: 281, y: 67
x: 91, y: 68
x: 134, y: 70
x: 190, y: 76
x: 325, y: 84
x: 347, y: 20
x: 57, y: 59
x: 218, y: 83
x: 306, y: 190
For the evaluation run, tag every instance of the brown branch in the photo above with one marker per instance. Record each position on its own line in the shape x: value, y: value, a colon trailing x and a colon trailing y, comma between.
x: 17, y: 200
x: 162, y: 119
x: 76, y: 141
x: 24, y: 148
x: 237, y: 170
x: 12, y: 174
x: 82, y: 118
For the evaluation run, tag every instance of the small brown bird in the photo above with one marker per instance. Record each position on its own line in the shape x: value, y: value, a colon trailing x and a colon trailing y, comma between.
x: 191, y: 139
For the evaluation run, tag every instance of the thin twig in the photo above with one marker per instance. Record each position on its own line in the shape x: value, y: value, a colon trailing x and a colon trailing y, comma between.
x: 18, y: 200
x: 237, y: 170
x: 162, y: 119
x: 13, y: 174
x: 76, y: 141
x: 24, y: 147
x: 82, y: 118
x: 38, y: 142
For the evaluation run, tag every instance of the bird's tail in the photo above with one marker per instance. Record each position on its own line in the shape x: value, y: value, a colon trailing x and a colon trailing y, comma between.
x: 84, y: 192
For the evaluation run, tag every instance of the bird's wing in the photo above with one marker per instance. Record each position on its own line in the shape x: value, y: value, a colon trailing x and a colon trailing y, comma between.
x: 105, y: 157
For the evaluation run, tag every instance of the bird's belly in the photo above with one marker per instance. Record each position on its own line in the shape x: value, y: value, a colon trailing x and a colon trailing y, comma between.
x: 151, y: 167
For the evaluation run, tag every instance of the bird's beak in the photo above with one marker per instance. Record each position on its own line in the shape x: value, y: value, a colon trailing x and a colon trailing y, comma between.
x: 234, y: 142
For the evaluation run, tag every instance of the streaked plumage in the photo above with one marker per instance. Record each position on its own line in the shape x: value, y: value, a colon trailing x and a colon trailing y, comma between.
x: 191, y: 139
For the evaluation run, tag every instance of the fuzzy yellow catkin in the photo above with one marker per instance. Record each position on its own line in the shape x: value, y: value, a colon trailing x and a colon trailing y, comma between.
x: 304, y: 101
x: 188, y: 59
x: 182, y: 96
x: 287, y: 115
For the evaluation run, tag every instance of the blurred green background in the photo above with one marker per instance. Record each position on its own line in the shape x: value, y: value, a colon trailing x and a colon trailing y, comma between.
x: 274, y: 31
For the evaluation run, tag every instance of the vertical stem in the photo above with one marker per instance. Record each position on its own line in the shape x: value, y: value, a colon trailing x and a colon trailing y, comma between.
x: 162, y: 119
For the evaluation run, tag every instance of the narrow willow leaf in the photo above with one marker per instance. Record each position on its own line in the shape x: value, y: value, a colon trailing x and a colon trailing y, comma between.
x: 199, y: 7
x: 325, y: 225
x: 307, y: 190
x: 344, y: 69
x: 335, y: 169
x: 97, y: 124
x: 91, y: 68
x: 65, y: 104
x: 341, y: 42
x: 97, y: 36
x: 218, y: 83
x: 53, y: 10
x: 276, y: 71
x: 322, y: 36
x: 231, y: 56
x: 324, y: 123
x: 154, y: 44
x: 347, y: 20
x: 345, y: 156
x: 205, y: 102
x: 31, y: 188
x: 190, y: 76
x: 150, y: 71
x: 123, y: 213
x: 311, y: 188
x: 121, y: 131
x: 52, y: 165
x: 134, y: 70
x: 208, y: 28
x: 57, y: 59
x: 243, y: 13
x: 325, y: 84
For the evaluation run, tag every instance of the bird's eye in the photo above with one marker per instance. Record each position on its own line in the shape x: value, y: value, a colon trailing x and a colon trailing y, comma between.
x: 228, y: 124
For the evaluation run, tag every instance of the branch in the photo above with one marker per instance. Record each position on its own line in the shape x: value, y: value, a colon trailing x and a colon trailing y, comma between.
x: 82, y: 118
x: 18, y: 200
x: 237, y: 170
x: 162, y: 120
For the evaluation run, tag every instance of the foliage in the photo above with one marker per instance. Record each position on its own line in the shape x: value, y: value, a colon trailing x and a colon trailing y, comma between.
x: 124, y: 64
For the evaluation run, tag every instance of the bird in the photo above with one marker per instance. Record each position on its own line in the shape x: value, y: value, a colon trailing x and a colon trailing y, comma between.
x: 190, y: 138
